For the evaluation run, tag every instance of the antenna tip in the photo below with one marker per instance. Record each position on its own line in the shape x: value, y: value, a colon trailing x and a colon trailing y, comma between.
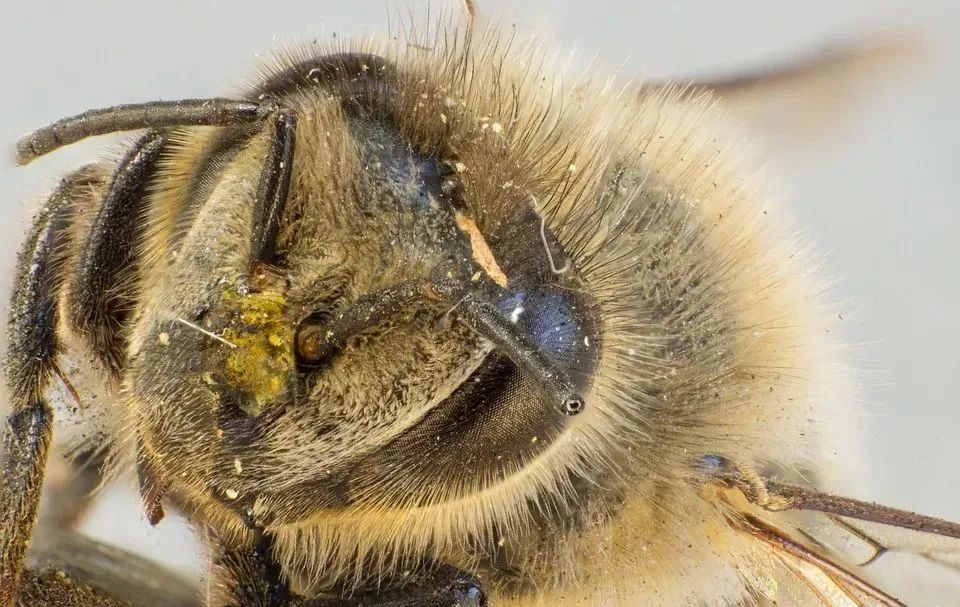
x: 573, y: 405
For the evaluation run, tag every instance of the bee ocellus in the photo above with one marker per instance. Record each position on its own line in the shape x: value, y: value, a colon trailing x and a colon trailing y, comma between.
x: 407, y: 325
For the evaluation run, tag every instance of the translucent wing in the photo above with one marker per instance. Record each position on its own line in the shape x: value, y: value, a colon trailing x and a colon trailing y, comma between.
x: 813, y: 574
x: 823, y: 542
x: 69, y: 569
x: 813, y: 92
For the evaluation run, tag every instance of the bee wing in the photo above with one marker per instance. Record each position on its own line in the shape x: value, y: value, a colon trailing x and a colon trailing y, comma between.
x: 67, y: 569
x: 814, y: 91
x: 813, y: 577
x: 864, y: 542
x: 827, y: 540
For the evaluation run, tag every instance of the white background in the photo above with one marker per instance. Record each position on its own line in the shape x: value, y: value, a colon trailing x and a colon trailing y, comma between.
x: 877, y: 192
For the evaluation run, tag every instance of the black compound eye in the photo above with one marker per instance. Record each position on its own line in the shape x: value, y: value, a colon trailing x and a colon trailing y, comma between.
x: 563, y: 326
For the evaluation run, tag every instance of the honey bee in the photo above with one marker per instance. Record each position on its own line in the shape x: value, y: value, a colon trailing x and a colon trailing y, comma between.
x: 420, y: 324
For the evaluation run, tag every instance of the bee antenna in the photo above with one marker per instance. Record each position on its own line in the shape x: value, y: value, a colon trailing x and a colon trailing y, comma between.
x: 487, y: 320
x: 316, y: 344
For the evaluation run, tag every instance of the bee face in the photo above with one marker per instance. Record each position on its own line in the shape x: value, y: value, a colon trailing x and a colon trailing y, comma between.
x: 341, y: 396
x: 376, y: 203
x: 546, y: 335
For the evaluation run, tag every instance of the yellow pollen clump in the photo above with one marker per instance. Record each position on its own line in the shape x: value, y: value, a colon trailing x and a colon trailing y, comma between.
x: 482, y: 254
x: 263, y: 359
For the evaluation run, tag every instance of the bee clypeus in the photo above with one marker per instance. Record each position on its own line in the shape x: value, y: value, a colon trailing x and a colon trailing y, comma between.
x: 409, y: 325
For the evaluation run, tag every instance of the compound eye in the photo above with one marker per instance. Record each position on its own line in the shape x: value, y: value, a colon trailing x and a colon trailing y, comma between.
x: 563, y: 326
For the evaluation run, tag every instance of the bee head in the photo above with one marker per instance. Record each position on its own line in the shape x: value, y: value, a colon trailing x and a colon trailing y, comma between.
x: 422, y: 327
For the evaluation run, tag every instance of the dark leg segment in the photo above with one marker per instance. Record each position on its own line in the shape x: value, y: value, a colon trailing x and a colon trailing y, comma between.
x: 273, y: 188
x: 101, y: 291
x: 151, y: 115
x: 250, y: 576
x: 253, y: 578
x: 446, y: 587
x: 26, y: 441
x: 31, y: 359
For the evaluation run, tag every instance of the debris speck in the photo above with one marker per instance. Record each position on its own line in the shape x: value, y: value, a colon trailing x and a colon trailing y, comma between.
x: 237, y: 466
x: 164, y: 338
x: 200, y: 329
x: 480, y: 249
x: 231, y: 494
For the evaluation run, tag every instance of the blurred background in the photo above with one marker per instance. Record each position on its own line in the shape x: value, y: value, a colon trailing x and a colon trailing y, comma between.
x: 874, y: 187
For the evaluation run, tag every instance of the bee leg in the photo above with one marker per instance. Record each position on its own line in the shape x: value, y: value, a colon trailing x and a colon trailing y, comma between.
x: 103, y: 282
x: 96, y: 299
x: 251, y: 577
x: 31, y: 362
x: 272, y: 189
x: 445, y: 586
x: 133, y: 172
x: 25, y: 443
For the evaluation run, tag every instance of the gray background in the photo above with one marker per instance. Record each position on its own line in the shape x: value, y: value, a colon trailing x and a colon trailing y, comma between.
x: 876, y: 191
